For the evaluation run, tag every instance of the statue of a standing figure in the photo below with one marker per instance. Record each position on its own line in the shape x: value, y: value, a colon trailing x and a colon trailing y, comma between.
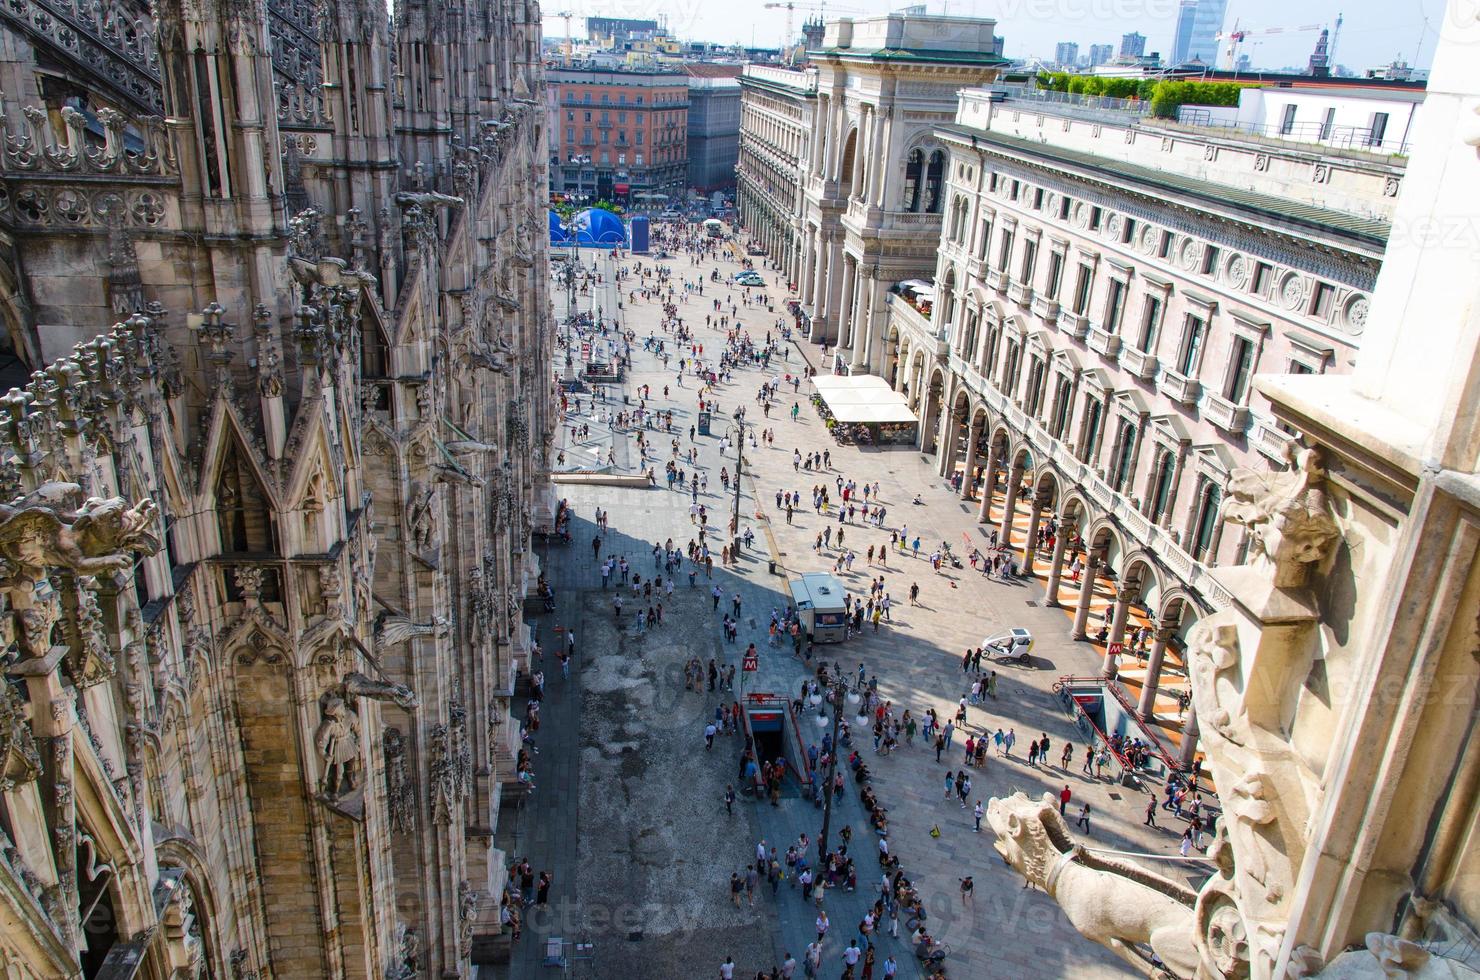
x: 421, y: 516
x: 337, y: 738
x: 338, y: 741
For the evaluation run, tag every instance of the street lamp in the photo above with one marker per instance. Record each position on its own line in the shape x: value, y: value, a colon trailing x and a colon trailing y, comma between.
x: 739, y: 417
x: 839, y: 692
x: 569, y: 227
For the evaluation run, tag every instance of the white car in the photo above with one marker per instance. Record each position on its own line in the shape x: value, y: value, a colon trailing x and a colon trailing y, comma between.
x: 1011, y: 645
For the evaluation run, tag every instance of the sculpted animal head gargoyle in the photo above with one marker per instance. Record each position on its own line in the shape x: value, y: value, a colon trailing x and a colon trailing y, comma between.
x: 108, y: 526
x: 1021, y: 825
x: 41, y: 531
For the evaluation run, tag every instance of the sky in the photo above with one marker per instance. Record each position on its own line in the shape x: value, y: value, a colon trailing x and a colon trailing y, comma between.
x: 1373, y: 32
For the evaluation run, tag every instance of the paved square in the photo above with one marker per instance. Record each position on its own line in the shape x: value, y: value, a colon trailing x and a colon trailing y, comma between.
x: 628, y: 810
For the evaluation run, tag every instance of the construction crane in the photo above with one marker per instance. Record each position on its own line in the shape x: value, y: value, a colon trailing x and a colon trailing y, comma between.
x: 569, y: 47
x: 1228, y: 55
x: 821, y: 7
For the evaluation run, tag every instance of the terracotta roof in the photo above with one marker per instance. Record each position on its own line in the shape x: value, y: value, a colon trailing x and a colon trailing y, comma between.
x: 707, y: 69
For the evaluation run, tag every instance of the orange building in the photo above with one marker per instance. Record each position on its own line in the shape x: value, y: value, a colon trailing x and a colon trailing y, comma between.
x: 618, y: 134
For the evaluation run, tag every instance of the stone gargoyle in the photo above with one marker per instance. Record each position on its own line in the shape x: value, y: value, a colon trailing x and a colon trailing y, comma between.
x: 1117, y: 904
x: 428, y: 201
x: 1287, y: 514
x: 358, y: 685
x: 391, y: 629
x: 328, y: 271
x: 54, y: 526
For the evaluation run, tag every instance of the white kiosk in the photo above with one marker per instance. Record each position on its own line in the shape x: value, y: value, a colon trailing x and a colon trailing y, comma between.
x: 819, y: 600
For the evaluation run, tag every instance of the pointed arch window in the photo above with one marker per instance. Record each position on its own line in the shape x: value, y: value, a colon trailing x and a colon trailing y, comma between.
x: 243, y: 514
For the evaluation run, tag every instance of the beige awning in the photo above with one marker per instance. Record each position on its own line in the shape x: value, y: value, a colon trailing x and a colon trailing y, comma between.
x: 862, y: 398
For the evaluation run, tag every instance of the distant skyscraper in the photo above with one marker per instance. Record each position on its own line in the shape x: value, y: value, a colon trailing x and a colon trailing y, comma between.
x: 1066, y: 53
x: 1195, y: 37
x: 1100, y: 54
x: 1132, y: 45
x: 1182, y: 33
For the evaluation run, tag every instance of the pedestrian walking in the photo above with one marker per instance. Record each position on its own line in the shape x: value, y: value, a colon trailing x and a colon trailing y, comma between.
x: 1083, y: 820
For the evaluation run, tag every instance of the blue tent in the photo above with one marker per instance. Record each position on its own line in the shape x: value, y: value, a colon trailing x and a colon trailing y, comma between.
x: 599, y: 228
x: 593, y: 228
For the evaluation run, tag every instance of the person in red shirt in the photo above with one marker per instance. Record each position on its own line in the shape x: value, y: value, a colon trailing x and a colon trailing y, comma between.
x: 1064, y: 798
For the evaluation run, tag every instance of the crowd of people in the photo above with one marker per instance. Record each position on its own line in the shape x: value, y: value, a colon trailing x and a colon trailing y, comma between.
x: 700, y: 372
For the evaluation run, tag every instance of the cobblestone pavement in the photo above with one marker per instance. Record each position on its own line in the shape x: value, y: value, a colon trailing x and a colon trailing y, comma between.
x: 642, y: 802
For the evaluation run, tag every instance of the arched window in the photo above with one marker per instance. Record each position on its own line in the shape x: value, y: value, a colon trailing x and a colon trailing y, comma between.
x: 1125, y: 455
x: 948, y: 302
x: 933, y: 176
x: 1037, y: 382
x: 1163, y: 490
x: 850, y: 150
x: 914, y: 172
x: 1010, y: 374
x: 958, y: 220
x: 989, y: 355
x: 1094, y: 414
x: 1063, y: 402
x: 1205, y: 528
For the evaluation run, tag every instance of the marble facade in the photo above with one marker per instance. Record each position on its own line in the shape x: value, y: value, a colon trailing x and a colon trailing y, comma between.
x: 275, y: 282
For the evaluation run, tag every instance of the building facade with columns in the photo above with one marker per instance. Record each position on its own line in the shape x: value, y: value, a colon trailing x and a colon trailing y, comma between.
x: 777, y: 106
x: 273, y: 284
x: 1107, y: 286
x: 1338, y: 686
x: 874, y: 176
